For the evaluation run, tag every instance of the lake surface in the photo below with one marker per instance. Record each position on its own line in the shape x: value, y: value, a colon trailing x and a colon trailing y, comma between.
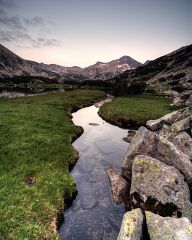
x: 93, y: 216
x: 23, y: 92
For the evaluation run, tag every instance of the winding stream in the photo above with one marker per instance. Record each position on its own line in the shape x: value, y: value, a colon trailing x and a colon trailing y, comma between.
x: 93, y: 216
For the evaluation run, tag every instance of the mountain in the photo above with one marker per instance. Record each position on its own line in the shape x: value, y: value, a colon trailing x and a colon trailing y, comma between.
x: 104, y: 71
x: 170, y: 72
x: 12, y: 65
x: 98, y: 71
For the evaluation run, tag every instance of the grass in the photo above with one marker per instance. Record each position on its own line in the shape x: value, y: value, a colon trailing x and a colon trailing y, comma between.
x: 36, y: 134
x: 135, y: 110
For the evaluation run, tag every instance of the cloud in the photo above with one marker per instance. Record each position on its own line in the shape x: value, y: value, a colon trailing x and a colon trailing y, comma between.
x: 35, y: 21
x: 13, y: 22
x: 24, y: 40
x: 7, y: 4
x: 26, y: 32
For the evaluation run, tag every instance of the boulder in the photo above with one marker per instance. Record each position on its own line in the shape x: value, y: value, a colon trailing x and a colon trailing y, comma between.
x: 131, y: 227
x: 119, y: 186
x: 178, y: 101
x: 142, y: 143
x: 154, y: 180
x: 167, y: 119
x: 182, y: 125
x: 183, y: 142
x: 166, y: 228
x: 148, y: 143
x: 171, y: 155
x: 189, y: 101
x: 171, y: 93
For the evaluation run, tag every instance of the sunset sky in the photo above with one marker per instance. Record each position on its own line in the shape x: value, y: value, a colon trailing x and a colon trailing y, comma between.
x: 82, y: 32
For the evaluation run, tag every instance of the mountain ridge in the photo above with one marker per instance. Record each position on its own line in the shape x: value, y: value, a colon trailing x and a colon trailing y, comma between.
x: 12, y: 65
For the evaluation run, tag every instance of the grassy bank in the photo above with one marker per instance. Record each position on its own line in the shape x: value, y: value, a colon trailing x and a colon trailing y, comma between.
x: 135, y: 110
x: 35, y: 153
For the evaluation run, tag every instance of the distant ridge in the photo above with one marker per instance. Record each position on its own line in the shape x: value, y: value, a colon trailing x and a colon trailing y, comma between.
x: 11, y: 65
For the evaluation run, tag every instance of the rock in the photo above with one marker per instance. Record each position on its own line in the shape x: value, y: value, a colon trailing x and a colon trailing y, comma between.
x: 166, y: 228
x: 171, y: 93
x: 179, y: 135
x: 165, y: 132
x: 189, y: 101
x: 119, y: 186
x: 131, y: 227
x: 94, y: 124
x: 149, y: 143
x: 183, y: 142
x: 142, y: 143
x: 178, y: 101
x: 168, y: 119
x: 171, y: 155
x: 152, y: 179
x: 182, y: 125
x: 131, y: 134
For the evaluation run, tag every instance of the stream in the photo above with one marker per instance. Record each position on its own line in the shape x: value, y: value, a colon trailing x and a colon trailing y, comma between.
x: 93, y: 215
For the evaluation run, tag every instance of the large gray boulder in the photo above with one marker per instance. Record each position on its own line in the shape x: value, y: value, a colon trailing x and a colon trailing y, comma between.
x: 119, y: 186
x: 131, y: 227
x: 148, y: 143
x: 152, y: 179
x: 166, y: 228
x: 142, y: 143
x: 167, y: 119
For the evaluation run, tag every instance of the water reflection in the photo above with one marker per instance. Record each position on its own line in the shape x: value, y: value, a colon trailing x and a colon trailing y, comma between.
x: 23, y: 92
x: 93, y: 216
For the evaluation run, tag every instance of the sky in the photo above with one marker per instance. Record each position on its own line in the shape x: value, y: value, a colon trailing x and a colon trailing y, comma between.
x: 82, y: 32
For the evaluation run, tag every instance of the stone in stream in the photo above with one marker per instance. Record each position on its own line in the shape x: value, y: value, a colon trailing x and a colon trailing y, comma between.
x: 119, y: 186
x: 167, y: 228
x: 167, y: 119
x: 131, y: 134
x: 131, y: 227
x: 149, y: 143
x: 159, y: 188
x: 94, y: 124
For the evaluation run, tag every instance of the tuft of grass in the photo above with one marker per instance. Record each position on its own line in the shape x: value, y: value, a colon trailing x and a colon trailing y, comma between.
x: 35, y: 153
x: 132, y: 111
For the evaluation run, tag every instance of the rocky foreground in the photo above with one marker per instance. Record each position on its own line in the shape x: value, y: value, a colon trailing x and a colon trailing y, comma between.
x: 156, y: 180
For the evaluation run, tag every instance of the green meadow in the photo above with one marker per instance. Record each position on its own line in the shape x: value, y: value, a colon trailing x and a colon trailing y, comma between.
x: 135, y: 110
x: 35, y: 155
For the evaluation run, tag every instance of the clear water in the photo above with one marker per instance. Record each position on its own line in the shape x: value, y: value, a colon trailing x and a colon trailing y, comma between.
x: 93, y: 216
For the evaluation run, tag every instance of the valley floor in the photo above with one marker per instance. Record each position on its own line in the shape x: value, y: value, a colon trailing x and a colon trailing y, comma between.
x: 35, y: 154
x: 133, y: 111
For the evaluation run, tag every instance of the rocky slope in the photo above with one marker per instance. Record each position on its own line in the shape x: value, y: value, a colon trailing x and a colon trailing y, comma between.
x: 158, y: 171
x: 170, y: 72
x: 12, y: 65
x: 104, y: 71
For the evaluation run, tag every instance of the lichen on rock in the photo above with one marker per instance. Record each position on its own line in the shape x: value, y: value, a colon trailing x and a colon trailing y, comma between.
x: 131, y: 227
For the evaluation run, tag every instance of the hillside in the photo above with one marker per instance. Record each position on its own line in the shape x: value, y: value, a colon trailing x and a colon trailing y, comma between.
x: 170, y: 72
x: 12, y: 65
